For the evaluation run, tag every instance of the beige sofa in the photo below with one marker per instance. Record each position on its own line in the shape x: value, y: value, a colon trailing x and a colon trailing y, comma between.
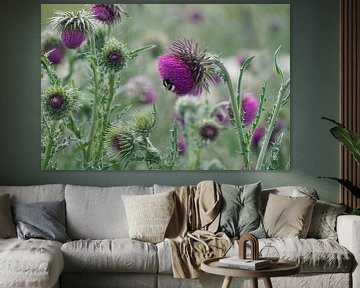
x: 101, y: 254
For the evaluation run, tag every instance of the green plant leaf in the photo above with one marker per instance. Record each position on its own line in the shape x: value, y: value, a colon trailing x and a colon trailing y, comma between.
x: 347, y: 184
x: 349, y: 139
x: 277, y: 68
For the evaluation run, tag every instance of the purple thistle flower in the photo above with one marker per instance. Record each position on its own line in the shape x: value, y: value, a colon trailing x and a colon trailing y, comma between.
x: 56, y: 102
x: 73, y: 27
x: 55, y: 53
x: 52, y: 46
x: 257, y: 136
x: 177, y: 76
x: 186, y: 69
x: 250, y: 105
x: 181, y: 146
x: 209, y: 130
x: 108, y: 14
x: 116, y: 143
x: 196, y: 16
x: 72, y: 39
x: 260, y: 133
x: 279, y: 126
x: 223, y: 113
x: 142, y: 89
x: 241, y: 59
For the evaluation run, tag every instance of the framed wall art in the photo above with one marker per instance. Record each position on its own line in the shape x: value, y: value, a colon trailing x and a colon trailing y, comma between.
x: 165, y: 87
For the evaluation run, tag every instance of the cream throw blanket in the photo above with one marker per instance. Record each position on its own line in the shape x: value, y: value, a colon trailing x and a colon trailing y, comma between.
x: 191, y: 231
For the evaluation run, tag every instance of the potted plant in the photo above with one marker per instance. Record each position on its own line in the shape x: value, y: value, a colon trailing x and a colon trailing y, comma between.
x: 351, y: 141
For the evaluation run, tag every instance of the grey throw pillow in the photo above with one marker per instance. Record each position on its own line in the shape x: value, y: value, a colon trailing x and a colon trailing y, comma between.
x: 44, y: 220
x: 240, y: 213
x: 7, y: 227
x: 323, y: 222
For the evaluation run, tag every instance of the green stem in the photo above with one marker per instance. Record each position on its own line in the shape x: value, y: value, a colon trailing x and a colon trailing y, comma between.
x: 238, y: 121
x: 270, y: 128
x: 49, y: 70
x: 94, y: 125
x: 196, y: 163
x: 48, y: 147
x: 72, y: 60
x: 71, y: 126
x: 106, y: 119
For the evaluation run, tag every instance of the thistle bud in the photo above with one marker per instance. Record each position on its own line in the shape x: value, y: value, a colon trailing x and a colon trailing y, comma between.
x: 114, y: 55
x: 119, y: 143
x: 143, y: 123
x: 208, y: 130
x: 58, y: 101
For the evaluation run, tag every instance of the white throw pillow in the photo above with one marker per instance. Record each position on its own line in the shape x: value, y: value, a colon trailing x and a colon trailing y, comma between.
x: 149, y: 215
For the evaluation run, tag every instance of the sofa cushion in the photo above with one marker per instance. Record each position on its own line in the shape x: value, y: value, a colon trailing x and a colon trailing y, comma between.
x: 313, y: 255
x: 323, y: 222
x: 149, y: 215
x: 43, y: 220
x: 98, y: 213
x: 30, y: 263
x: 117, y: 255
x: 7, y: 226
x: 36, y: 193
x: 240, y: 210
x: 287, y: 216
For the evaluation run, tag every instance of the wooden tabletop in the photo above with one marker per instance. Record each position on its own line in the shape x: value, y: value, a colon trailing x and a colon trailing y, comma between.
x: 281, y: 268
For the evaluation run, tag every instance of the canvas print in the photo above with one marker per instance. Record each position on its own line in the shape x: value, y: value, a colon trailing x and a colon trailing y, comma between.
x: 165, y: 87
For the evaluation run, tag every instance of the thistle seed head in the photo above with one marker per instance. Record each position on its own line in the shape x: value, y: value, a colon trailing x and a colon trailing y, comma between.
x: 108, y: 14
x: 119, y: 143
x: 58, y: 102
x: 115, y: 55
x: 186, y: 69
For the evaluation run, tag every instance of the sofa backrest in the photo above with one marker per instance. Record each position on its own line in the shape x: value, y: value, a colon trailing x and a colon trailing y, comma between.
x: 35, y: 193
x: 98, y: 212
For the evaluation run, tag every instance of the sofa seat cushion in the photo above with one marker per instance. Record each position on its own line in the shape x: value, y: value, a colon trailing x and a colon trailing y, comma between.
x: 30, y: 263
x: 115, y: 255
x: 313, y: 255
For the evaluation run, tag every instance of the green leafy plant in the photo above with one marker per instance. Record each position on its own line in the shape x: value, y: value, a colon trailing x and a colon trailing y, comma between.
x: 351, y: 141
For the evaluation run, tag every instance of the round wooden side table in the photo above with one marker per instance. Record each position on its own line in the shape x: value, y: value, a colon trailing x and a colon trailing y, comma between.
x: 281, y: 268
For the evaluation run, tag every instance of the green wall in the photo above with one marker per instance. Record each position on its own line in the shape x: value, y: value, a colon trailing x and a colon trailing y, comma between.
x: 314, y: 72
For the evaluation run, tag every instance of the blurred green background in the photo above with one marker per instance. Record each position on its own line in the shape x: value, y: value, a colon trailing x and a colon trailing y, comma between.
x: 233, y: 31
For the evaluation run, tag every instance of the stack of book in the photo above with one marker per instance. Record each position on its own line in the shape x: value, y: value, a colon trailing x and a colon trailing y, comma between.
x: 248, y: 264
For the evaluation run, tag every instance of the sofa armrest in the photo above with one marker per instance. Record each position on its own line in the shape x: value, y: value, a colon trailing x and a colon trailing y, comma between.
x: 348, y: 230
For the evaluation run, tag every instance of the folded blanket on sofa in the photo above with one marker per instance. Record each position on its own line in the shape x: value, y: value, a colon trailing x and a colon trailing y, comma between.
x: 191, y: 231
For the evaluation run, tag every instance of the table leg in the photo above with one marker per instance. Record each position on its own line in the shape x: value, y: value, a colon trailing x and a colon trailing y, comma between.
x: 267, y: 283
x: 254, y: 282
x: 227, y: 282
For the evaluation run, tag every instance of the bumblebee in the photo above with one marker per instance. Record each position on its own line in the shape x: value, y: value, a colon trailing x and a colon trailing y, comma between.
x: 168, y: 85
